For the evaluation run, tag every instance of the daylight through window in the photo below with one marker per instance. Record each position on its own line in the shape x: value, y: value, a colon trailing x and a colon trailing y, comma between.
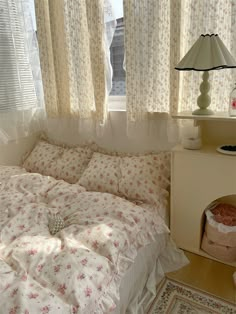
x: 117, y: 60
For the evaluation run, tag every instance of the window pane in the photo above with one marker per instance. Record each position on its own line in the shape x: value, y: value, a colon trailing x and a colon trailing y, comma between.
x: 117, y: 59
x: 17, y: 88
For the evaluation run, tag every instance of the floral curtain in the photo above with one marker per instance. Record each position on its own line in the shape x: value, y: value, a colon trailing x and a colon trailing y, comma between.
x: 148, y: 30
x: 73, y: 55
x: 158, y: 33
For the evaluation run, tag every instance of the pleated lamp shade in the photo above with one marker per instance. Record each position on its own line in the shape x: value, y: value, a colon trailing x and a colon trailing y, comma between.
x: 208, y: 53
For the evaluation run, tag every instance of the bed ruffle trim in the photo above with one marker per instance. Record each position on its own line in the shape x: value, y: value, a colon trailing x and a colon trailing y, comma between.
x: 107, y: 301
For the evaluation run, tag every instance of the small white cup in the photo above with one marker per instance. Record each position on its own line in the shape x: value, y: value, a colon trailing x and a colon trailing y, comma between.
x: 192, y: 143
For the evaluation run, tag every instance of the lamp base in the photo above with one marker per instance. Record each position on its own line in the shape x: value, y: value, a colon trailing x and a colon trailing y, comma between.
x: 203, y: 112
x: 204, y: 99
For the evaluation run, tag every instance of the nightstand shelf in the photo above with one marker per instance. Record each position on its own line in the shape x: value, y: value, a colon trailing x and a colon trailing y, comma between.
x: 221, y: 116
x: 199, y: 177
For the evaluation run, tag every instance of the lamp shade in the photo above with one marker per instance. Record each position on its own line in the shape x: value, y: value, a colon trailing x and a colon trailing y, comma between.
x: 208, y: 53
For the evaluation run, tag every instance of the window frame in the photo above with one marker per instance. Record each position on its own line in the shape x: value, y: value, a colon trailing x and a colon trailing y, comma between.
x: 117, y: 103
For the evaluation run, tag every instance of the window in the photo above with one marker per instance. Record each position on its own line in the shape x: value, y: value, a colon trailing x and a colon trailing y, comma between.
x: 118, y: 91
x: 17, y: 88
x: 117, y: 60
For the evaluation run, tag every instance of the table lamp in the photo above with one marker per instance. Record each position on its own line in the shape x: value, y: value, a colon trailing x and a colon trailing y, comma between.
x: 208, y: 53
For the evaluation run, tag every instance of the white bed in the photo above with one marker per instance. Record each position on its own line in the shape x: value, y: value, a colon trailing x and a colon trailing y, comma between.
x: 138, y: 287
x: 95, y: 245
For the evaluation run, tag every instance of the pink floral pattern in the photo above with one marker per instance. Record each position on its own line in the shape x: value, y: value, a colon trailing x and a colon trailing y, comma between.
x: 42, y: 157
x: 145, y: 178
x: 7, y: 171
x: 102, y: 174
x: 61, y: 163
x: 71, y: 164
x: 79, y: 269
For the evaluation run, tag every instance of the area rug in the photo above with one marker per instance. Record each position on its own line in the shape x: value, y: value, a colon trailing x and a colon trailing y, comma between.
x: 175, y: 298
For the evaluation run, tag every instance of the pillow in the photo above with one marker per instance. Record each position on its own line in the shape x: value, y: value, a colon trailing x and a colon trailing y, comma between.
x: 71, y: 164
x: 42, y: 157
x: 102, y: 174
x: 145, y: 178
x: 61, y: 163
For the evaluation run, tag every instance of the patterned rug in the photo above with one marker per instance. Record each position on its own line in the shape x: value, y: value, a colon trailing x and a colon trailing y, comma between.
x: 175, y: 298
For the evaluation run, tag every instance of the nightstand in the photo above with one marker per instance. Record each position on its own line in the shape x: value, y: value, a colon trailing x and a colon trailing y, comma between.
x: 198, y: 177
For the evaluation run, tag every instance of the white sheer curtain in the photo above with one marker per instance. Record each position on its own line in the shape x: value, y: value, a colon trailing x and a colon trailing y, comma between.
x: 21, y: 92
x: 158, y: 33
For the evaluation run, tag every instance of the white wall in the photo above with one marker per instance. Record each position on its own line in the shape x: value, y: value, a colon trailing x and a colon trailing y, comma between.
x: 153, y: 136
x: 219, y: 132
x: 13, y: 152
x: 158, y: 134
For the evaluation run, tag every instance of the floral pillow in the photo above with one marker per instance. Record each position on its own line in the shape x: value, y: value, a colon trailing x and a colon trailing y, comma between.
x: 71, y: 164
x: 41, y: 158
x: 145, y: 178
x: 102, y: 174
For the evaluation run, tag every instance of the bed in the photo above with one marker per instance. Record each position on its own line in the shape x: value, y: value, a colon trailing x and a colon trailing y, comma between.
x: 84, y: 232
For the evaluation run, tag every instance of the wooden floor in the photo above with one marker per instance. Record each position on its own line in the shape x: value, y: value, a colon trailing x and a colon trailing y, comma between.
x: 207, y: 275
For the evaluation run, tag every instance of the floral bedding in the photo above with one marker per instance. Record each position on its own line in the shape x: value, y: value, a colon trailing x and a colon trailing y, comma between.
x: 79, y: 269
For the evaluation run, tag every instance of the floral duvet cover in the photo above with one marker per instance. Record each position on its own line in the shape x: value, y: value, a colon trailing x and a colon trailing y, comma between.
x: 77, y: 270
